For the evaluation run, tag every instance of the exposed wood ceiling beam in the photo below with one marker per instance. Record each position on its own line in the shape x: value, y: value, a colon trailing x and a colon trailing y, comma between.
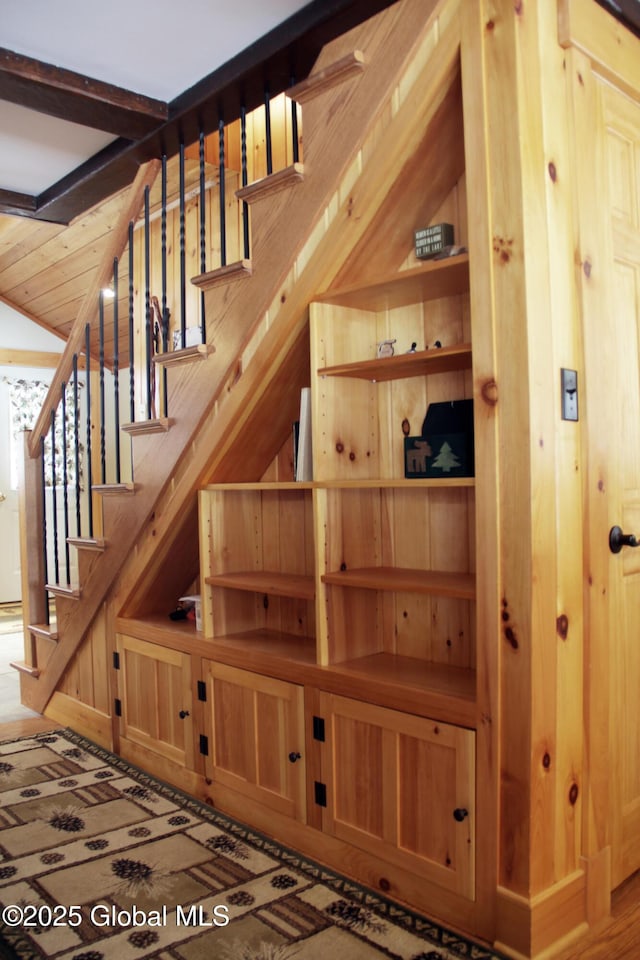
x: 17, y: 204
x: 28, y: 358
x: 72, y: 96
x: 628, y: 11
x: 286, y: 52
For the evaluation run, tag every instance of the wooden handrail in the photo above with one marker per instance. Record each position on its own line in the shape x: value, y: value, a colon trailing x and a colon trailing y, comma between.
x: 88, y: 312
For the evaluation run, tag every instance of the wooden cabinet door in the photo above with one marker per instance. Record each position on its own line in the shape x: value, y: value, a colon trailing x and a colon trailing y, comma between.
x: 257, y: 738
x: 402, y: 787
x: 156, y: 699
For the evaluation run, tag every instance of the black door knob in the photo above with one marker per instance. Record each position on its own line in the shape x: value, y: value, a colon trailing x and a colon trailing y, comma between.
x: 618, y: 540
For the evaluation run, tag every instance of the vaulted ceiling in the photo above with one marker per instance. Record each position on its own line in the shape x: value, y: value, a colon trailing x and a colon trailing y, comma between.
x: 90, y: 91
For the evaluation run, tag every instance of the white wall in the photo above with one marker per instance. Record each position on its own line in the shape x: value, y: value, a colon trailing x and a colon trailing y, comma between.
x: 16, y: 333
x: 19, y: 333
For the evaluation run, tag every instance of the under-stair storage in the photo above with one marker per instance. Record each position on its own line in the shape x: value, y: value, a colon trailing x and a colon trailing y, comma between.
x: 155, y: 703
x: 396, y: 555
x: 340, y: 612
x: 257, y: 554
x: 403, y: 788
x: 257, y: 740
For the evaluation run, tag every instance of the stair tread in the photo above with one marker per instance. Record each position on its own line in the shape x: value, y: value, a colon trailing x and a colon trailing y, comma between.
x: 188, y: 355
x: 87, y: 543
x: 222, y: 275
x: 145, y: 427
x: 63, y: 590
x: 47, y: 630
x: 328, y: 77
x: 108, y: 488
x: 272, y: 183
x: 23, y: 667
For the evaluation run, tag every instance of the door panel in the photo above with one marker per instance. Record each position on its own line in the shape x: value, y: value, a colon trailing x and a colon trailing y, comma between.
x: 619, y: 140
x: 257, y: 738
x: 402, y: 788
x: 154, y: 685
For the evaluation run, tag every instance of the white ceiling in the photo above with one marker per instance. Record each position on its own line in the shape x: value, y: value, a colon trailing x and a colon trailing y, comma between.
x: 158, y: 48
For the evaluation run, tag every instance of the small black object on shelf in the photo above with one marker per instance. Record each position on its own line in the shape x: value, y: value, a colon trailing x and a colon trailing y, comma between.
x: 432, y: 240
x: 445, y: 446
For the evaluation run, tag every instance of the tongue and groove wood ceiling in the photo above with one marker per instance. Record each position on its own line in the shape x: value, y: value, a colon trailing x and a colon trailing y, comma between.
x: 88, y: 92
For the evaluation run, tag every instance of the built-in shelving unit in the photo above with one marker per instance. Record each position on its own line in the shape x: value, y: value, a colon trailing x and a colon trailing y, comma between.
x: 362, y: 574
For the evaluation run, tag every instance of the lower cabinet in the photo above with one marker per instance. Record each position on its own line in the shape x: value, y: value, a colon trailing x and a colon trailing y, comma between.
x: 257, y: 737
x: 402, y: 788
x: 397, y: 786
x: 155, y: 699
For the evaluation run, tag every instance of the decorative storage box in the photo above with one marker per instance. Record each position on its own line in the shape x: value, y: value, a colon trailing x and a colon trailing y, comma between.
x: 431, y: 240
x: 445, y: 448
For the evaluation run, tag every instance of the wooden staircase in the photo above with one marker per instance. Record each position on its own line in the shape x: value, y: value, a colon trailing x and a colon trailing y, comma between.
x: 232, y: 402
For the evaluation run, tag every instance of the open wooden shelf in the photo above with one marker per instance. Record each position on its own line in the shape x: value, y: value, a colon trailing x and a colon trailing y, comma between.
x: 431, y: 280
x: 444, y: 693
x: 403, y: 365
x: 274, y: 583
x: 265, y: 486
x: 272, y: 644
x: 435, y: 690
x: 403, y: 580
x: 397, y: 483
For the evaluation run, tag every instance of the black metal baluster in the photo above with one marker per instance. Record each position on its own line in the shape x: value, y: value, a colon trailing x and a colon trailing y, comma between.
x: 132, y: 382
x: 65, y: 483
x: 103, y: 452
x: 203, y: 238
x: 54, y: 500
x: 221, y: 181
x: 267, y: 129
x: 116, y: 369
x: 183, y: 267
x: 45, y: 550
x: 165, y: 315
x: 294, y: 127
x: 87, y: 336
x: 245, y: 180
x: 76, y: 442
x: 147, y: 304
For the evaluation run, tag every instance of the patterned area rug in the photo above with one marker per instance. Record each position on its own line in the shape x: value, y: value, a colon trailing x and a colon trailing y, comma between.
x: 100, y: 861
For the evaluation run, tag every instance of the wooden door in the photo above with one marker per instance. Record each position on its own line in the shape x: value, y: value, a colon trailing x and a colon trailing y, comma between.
x: 257, y: 737
x: 402, y: 788
x: 610, y: 225
x: 621, y: 119
x: 154, y: 686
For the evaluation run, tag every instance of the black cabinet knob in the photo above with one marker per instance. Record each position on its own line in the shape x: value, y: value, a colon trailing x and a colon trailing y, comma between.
x: 460, y: 813
x: 183, y: 714
x: 293, y: 756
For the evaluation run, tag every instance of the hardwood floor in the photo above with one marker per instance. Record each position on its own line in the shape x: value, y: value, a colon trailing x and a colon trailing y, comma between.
x: 15, y: 720
x: 618, y: 938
